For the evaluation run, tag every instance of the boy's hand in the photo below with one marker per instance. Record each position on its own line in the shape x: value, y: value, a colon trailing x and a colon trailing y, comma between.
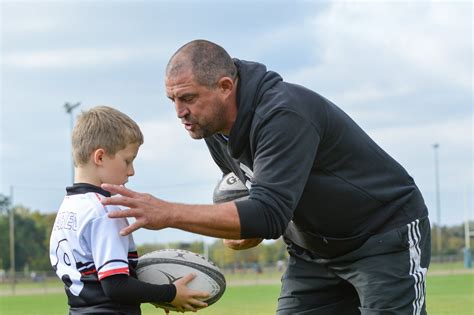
x: 187, y: 299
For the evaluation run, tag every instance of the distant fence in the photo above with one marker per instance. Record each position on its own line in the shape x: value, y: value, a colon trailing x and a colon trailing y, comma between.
x: 441, y: 259
x: 45, y: 282
x: 26, y: 277
x: 37, y: 282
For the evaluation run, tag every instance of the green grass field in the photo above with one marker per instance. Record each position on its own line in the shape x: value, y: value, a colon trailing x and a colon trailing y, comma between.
x: 447, y: 294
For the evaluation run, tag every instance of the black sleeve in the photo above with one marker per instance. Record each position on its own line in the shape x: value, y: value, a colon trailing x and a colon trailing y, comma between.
x: 125, y: 289
x: 286, y: 146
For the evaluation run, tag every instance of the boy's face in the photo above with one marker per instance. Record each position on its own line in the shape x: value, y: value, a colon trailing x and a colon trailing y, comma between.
x: 116, y: 169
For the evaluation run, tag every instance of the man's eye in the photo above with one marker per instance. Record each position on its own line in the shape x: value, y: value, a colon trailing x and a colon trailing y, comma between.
x: 188, y: 99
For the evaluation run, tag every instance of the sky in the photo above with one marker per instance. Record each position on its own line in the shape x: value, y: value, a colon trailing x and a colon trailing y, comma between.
x: 402, y: 70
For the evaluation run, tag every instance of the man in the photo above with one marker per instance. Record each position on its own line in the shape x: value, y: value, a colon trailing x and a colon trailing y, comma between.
x: 355, y: 223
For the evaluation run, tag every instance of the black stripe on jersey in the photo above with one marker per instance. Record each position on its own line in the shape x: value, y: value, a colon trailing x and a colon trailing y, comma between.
x: 88, y: 271
x: 83, y: 188
x: 133, y: 254
x: 111, y: 261
x: 87, y: 265
x: 133, y: 259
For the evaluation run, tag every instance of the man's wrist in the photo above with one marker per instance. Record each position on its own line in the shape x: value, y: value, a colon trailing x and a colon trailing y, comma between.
x: 174, y: 214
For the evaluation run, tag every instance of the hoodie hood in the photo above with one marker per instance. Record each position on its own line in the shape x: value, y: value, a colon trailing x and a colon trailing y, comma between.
x: 254, y: 81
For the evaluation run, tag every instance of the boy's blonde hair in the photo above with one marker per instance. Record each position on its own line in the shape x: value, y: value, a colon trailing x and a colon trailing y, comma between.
x: 102, y: 127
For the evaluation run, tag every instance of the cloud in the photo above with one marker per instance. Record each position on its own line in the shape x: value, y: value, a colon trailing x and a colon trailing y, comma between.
x: 167, y: 140
x: 81, y: 57
x: 400, y: 69
x: 412, y: 145
x: 371, y: 92
x: 178, y: 162
x: 389, y: 47
x: 19, y: 18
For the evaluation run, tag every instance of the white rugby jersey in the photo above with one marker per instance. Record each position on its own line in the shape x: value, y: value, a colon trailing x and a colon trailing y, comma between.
x: 86, y: 246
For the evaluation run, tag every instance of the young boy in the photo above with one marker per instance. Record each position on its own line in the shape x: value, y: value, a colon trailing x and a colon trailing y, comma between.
x: 96, y: 264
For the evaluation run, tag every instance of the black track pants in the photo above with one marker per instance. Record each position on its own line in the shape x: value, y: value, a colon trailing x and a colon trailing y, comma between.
x: 386, y: 275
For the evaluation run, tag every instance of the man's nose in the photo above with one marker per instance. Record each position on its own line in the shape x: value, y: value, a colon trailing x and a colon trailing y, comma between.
x: 181, y: 109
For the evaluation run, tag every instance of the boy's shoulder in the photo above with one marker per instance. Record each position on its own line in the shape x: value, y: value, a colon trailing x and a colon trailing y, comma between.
x: 86, y: 198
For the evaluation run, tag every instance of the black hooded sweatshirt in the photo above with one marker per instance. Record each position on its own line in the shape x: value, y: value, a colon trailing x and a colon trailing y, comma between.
x: 311, y: 170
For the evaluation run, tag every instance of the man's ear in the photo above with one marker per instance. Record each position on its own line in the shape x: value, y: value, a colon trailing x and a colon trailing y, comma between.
x: 98, y: 156
x: 225, y: 84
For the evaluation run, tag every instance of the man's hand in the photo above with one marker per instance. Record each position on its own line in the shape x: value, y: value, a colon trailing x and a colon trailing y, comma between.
x: 220, y: 220
x: 150, y: 212
x: 243, y: 244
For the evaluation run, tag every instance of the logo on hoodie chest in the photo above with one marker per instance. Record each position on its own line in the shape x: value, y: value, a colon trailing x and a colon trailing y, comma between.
x: 248, y: 175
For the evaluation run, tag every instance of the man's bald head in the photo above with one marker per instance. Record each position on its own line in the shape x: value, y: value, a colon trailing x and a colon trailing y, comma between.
x: 207, y: 61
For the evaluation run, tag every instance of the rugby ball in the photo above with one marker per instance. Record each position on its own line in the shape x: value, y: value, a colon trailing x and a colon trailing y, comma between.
x: 168, y: 265
x: 230, y: 187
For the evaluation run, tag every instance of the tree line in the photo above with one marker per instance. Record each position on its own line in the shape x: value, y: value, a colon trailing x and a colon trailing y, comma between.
x: 32, y: 232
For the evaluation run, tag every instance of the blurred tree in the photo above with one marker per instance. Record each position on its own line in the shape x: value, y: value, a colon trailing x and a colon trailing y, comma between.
x: 33, y: 229
x: 4, y: 242
x: 4, y: 230
x: 149, y: 247
x: 31, y: 239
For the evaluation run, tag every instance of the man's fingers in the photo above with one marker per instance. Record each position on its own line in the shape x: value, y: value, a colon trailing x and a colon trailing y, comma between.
x: 242, y: 244
x: 233, y: 244
x: 118, y: 189
x: 122, y: 213
x: 119, y: 200
x: 131, y: 228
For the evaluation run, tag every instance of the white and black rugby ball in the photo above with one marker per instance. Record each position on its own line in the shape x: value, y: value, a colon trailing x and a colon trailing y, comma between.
x: 230, y: 187
x: 168, y: 265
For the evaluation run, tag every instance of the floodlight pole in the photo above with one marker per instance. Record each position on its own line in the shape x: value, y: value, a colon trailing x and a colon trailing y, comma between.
x: 12, y: 239
x: 438, y: 206
x: 69, y: 108
x: 467, y: 234
x: 467, y: 230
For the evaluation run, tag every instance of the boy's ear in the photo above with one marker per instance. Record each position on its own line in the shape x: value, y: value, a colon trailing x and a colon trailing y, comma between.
x: 98, y: 156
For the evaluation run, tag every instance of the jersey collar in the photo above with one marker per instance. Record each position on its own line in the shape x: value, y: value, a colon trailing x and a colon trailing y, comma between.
x: 82, y: 188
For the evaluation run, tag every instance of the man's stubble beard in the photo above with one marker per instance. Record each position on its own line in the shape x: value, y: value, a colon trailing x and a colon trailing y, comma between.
x: 202, y: 133
x: 210, y: 128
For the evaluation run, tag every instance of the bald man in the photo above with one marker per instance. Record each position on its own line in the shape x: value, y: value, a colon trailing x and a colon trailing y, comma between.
x: 355, y: 223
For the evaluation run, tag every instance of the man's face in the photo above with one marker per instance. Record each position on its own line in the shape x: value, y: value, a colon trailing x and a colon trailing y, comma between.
x: 200, y: 108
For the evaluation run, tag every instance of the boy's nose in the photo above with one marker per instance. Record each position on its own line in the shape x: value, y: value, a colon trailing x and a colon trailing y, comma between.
x: 131, y: 171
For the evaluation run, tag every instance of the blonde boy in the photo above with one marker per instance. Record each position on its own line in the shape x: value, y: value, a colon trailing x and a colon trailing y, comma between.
x: 96, y: 264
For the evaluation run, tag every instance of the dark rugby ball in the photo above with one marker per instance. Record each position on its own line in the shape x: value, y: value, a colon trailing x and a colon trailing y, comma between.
x: 230, y: 187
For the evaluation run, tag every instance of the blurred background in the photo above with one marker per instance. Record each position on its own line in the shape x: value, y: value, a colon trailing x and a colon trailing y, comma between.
x: 402, y: 70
